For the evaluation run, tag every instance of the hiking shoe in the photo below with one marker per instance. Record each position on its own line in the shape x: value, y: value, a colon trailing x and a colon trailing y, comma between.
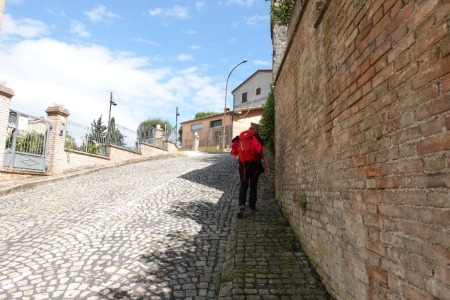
x: 253, y: 210
x: 241, y: 212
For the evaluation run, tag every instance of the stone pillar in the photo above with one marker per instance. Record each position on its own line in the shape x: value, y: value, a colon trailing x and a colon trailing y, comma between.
x: 5, y: 104
x: 56, y: 156
x: 196, y: 141
x: 158, y: 136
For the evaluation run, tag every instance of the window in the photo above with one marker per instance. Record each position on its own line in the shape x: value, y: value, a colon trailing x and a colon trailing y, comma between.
x: 244, y: 97
x: 216, y: 123
x: 258, y: 91
x: 196, y: 127
x: 216, y: 138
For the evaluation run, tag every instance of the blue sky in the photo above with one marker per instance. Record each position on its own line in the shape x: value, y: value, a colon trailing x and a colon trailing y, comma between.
x: 153, y: 55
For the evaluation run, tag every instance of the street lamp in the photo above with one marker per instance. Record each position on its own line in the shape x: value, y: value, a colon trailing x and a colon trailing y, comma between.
x: 225, y: 108
x: 111, y: 102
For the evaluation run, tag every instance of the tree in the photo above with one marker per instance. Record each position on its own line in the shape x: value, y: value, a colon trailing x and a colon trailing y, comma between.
x: 146, y: 127
x: 267, y: 124
x: 115, y: 136
x: 180, y: 134
x: 204, y: 114
x: 97, y: 138
x: 98, y: 129
x: 281, y: 12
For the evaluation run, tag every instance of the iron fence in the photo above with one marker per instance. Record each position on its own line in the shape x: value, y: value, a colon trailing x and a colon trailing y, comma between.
x: 85, y: 139
x: 211, y: 138
x: 89, y: 140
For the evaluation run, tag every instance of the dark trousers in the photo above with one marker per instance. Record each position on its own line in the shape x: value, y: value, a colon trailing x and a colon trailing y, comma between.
x: 249, y: 172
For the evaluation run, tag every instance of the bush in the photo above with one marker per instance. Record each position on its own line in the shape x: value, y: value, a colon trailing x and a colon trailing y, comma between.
x: 267, y: 124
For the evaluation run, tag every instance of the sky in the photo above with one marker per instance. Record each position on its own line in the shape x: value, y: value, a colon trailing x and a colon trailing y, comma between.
x: 150, y: 55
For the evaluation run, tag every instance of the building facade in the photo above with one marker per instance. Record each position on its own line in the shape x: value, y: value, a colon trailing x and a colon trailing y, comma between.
x: 362, y: 113
x: 209, y: 131
x: 249, y: 99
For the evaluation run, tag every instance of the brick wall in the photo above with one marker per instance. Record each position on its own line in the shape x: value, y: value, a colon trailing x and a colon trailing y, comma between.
x: 363, y: 93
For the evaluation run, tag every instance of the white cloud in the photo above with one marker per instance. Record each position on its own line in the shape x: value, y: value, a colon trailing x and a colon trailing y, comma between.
x: 200, y: 5
x: 177, y: 12
x: 190, y: 32
x: 241, y: 2
x: 194, y: 47
x: 255, y: 20
x: 232, y: 41
x: 262, y: 63
x: 45, y: 71
x: 79, y: 28
x: 184, y: 57
x: 25, y: 28
x: 100, y: 14
x: 146, y: 41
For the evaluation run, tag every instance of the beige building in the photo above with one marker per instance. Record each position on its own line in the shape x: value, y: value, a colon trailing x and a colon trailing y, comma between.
x: 249, y: 99
x: 208, y: 131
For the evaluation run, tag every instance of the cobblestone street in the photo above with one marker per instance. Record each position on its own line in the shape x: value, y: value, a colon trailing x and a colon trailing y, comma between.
x: 151, y: 230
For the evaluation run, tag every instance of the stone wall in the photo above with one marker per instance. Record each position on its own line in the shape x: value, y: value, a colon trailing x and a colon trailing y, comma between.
x: 60, y: 160
x: 363, y: 144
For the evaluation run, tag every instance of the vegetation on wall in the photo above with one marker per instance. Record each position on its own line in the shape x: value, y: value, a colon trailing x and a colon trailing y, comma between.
x: 267, y: 124
x: 281, y: 12
x: 204, y: 114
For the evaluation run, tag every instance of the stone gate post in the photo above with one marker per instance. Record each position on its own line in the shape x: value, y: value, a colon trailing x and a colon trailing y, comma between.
x: 5, y: 104
x: 57, y: 116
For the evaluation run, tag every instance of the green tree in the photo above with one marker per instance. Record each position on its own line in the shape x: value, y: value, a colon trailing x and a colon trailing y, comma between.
x: 204, y: 114
x: 98, y: 129
x: 267, y: 124
x: 115, y: 136
x: 281, y: 12
x: 146, y: 127
x: 180, y: 134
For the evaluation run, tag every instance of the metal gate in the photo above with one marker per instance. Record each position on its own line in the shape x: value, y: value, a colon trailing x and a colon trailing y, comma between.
x: 26, y: 142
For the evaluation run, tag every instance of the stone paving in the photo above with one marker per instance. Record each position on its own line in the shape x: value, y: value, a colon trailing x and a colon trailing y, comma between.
x: 161, y: 229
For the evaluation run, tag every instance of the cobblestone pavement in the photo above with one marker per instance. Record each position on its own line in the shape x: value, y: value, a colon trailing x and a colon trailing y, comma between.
x: 161, y: 229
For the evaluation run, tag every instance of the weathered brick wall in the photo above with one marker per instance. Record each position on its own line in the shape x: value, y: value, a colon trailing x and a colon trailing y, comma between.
x: 364, y: 100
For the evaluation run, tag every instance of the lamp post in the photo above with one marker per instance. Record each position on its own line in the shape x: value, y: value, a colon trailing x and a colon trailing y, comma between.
x: 111, y: 102
x: 225, y: 108
x: 176, y: 127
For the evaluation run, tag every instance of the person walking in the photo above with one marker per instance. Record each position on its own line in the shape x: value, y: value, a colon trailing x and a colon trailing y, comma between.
x: 249, y: 149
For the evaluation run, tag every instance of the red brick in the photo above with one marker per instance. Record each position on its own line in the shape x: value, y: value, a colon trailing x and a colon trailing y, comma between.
x: 410, y: 292
x: 402, y: 76
x: 423, y: 11
x: 385, y: 74
x: 439, y: 254
x: 431, y: 38
x: 435, y: 217
x: 443, y: 12
x: 437, y: 289
x: 434, y: 144
x: 437, y: 70
x: 376, y: 247
x: 372, y: 171
x: 445, y: 83
x: 419, y: 264
x: 406, y: 135
x: 410, y: 165
x: 413, y: 229
x: 377, y: 274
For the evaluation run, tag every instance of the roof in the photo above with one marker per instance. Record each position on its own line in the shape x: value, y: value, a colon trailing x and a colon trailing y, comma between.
x: 202, y: 118
x: 248, y: 79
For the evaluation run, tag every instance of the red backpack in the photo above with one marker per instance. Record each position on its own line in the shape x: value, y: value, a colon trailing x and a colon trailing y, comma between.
x: 247, y: 146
